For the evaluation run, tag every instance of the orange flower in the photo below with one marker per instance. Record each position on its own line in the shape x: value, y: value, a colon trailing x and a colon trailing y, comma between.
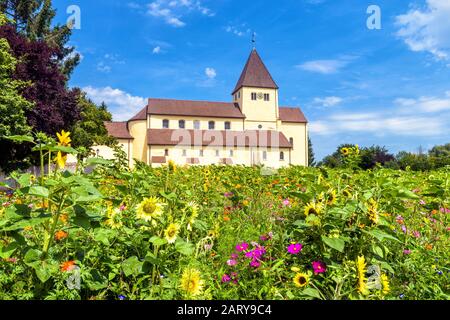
x: 434, y: 212
x: 64, y: 218
x: 60, y: 235
x: 429, y: 247
x: 225, y: 218
x: 28, y: 228
x: 68, y: 266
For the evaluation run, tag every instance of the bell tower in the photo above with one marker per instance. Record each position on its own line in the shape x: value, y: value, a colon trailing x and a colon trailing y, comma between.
x: 257, y: 95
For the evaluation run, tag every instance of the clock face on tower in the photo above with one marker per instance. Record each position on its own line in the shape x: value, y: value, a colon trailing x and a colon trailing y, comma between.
x: 260, y: 95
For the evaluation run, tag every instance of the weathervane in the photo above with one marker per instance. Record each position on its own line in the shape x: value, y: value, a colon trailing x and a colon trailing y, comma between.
x: 254, y: 40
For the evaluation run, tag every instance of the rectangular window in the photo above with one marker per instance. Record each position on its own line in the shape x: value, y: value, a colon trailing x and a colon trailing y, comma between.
x: 201, y: 153
x: 227, y: 125
x: 217, y: 153
x: 181, y: 124
x: 266, y: 97
x: 264, y: 155
x: 253, y: 95
x: 281, y: 156
x: 231, y: 153
x: 166, y: 124
x: 197, y: 125
x: 184, y: 153
x: 166, y: 152
x: 211, y: 125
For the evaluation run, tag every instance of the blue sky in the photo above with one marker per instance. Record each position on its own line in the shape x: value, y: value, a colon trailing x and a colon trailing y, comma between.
x: 388, y: 87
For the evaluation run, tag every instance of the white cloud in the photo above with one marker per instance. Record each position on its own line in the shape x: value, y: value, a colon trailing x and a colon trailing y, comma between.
x: 427, y: 29
x: 173, y: 11
x: 133, y: 5
x: 157, y: 50
x: 239, y: 31
x: 328, y: 101
x: 121, y: 104
x: 323, y: 66
x: 425, y: 104
x: 210, y: 73
x: 102, y: 67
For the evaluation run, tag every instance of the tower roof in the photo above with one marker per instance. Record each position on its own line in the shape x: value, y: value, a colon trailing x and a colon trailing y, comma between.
x: 255, y: 74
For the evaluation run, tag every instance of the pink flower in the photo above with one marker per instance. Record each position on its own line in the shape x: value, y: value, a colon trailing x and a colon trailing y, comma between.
x: 234, y: 256
x: 444, y: 210
x: 122, y: 207
x: 208, y: 246
x: 255, y: 263
x: 256, y: 253
x: 286, y: 202
x: 231, y: 262
x: 294, y: 248
x: 406, y: 251
x: 422, y: 202
x: 226, y: 278
x: 263, y: 238
x: 228, y: 194
x: 242, y: 247
x: 416, y: 234
x: 404, y: 229
x: 319, y: 267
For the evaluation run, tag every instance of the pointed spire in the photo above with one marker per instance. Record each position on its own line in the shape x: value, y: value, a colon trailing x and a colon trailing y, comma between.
x: 255, y: 74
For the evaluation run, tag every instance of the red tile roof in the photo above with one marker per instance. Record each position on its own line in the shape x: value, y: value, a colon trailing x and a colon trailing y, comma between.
x: 249, y: 138
x: 118, y: 130
x: 141, y: 115
x: 288, y: 114
x: 173, y: 107
x: 255, y: 74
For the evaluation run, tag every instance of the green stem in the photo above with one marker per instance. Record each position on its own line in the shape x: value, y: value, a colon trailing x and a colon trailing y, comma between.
x: 49, y: 236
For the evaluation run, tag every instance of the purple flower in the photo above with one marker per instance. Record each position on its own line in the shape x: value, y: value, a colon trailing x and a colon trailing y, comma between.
x: 256, y: 254
x: 319, y: 267
x: 255, y: 263
x: 122, y: 297
x: 403, y: 228
x: 401, y: 296
x: 226, y: 278
x: 294, y: 248
x: 406, y: 251
x: 242, y: 247
x: 231, y: 262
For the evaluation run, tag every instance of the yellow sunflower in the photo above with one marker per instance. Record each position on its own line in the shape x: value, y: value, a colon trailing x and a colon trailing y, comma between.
x: 192, y: 207
x: 301, y: 280
x: 331, y: 197
x: 312, y: 208
x: 64, y: 139
x: 385, y: 283
x: 345, y: 151
x: 171, y: 232
x: 61, y: 160
x: 113, y: 220
x: 150, y: 209
x: 346, y: 193
x: 172, y: 166
x: 373, y: 211
x: 191, y: 283
x: 362, y: 281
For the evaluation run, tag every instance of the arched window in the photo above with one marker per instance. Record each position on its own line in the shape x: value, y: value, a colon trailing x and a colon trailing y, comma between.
x: 291, y: 141
x: 211, y: 125
x: 182, y: 124
x: 281, y: 156
x: 227, y: 125
x: 166, y: 124
x: 166, y: 152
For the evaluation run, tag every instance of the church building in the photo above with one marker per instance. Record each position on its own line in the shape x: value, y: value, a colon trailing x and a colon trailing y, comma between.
x: 252, y: 129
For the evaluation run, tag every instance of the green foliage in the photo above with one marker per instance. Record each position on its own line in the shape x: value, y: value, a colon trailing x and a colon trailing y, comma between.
x: 311, y: 158
x: 90, y: 130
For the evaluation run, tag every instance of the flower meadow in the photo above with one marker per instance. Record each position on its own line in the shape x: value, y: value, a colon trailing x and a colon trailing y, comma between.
x: 223, y: 232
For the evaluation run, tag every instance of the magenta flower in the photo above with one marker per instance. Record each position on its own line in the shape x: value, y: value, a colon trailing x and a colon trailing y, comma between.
x: 294, y: 248
x: 234, y: 256
x: 255, y: 263
x: 256, y: 253
x: 228, y: 194
x: 406, y: 251
x: 226, y: 278
x: 242, y: 247
x: 231, y: 262
x: 286, y: 202
x: 319, y: 267
x: 263, y: 238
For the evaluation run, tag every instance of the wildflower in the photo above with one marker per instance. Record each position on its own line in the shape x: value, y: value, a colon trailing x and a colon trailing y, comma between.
x: 113, y: 220
x: 191, y: 282
x: 228, y: 194
x: 172, y: 166
x: 208, y: 246
x: 171, y: 232
x: 399, y: 219
x: 373, y: 211
x: 256, y: 253
x: 122, y: 297
x: 231, y: 262
x: 416, y: 234
x: 11, y: 260
x: 255, y: 263
x: 286, y: 202
x: 68, y: 266
x: 64, y: 139
x: 406, y: 251
x: 295, y: 248
x: 226, y: 218
x: 345, y: 151
x: 361, y: 268
x: 234, y: 256
x: 385, y: 283
x: 226, y: 278
x: 319, y: 267
x: 61, y: 160
x: 404, y: 228
x: 422, y: 202
x: 242, y: 247
x: 149, y: 209
x: 301, y: 280
x: 312, y: 208
x: 60, y: 235
x: 122, y: 207
x: 401, y: 296
x: 346, y: 193
x: 429, y: 247
x: 331, y: 199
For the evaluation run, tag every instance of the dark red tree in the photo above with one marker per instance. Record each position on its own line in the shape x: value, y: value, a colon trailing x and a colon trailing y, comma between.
x: 55, y: 104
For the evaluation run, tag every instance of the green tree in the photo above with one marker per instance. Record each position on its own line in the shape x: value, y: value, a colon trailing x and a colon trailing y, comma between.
x: 440, y: 151
x: 33, y: 18
x: 311, y: 157
x: 91, y: 129
x: 12, y: 105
